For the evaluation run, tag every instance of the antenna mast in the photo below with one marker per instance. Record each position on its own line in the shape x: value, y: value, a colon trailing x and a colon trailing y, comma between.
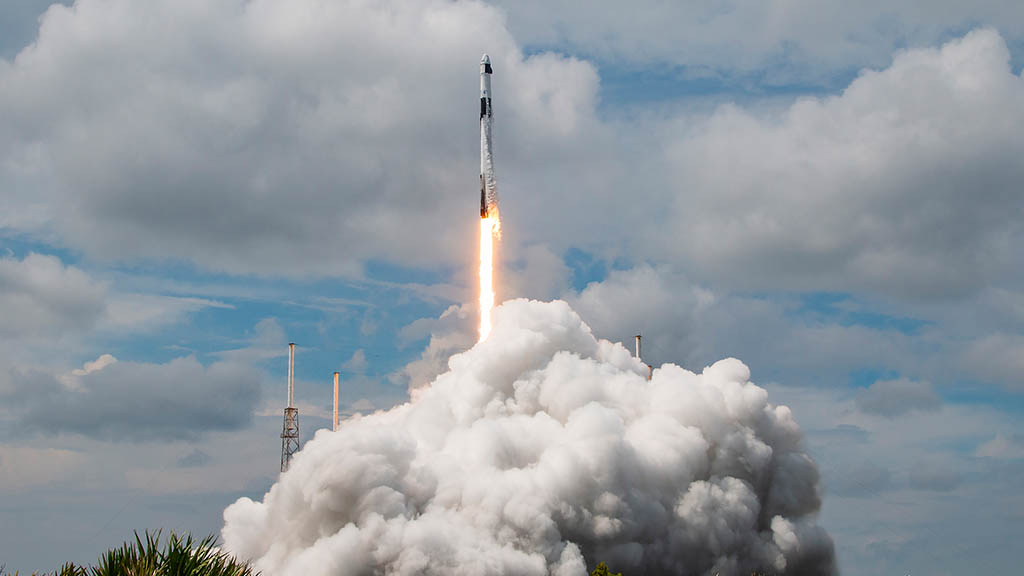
x: 335, y: 401
x: 290, y: 431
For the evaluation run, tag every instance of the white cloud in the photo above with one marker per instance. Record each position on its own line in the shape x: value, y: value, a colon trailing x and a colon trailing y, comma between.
x: 266, y: 340
x: 286, y: 140
x: 276, y: 139
x: 934, y: 475
x: 998, y: 358
x: 1003, y: 447
x: 131, y: 401
x: 40, y: 296
x: 685, y: 322
x: 779, y: 41
x: 94, y: 366
x: 23, y: 468
x: 149, y: 311
x: 70, y: 379
x: 453, y: 332
x: 906, y: 184
x: 357, y: 363
x: 892, y: 398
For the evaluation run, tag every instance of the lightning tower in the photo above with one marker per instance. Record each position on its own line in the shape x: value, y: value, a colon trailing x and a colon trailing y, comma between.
x: 290, y: 432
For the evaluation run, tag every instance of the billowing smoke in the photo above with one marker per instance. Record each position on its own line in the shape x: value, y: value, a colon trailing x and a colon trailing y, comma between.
x: 543, y: 450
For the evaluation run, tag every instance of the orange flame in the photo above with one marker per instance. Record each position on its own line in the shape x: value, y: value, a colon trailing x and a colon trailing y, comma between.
x: 490, y: 229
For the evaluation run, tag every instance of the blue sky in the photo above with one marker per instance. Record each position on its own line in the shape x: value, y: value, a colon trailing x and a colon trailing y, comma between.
x: 830, y: 193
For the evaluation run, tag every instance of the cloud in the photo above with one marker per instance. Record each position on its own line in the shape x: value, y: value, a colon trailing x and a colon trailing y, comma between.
x: 133, y: 402
x: 267, y: 139
x: 149, y: 311
x: 693, y: 324
x: 94, y: 366
x: 997, y: 358
x: 194, y: 459
x: 357, y: 363
x: 934, y: 477
x: 70, y: 379
x: 265, y: 341
x: 19, y: 22
x: 779, y: 42
x: 861, y: 480
x: 892, y: 398
x: 533, y: 272
x: 453, y: 332
x: 40, y: 296
x: 540, y: 450
x: 366, y: 129
x: 906, y: 184
x: 24, y: 468
x: 1002, y: 447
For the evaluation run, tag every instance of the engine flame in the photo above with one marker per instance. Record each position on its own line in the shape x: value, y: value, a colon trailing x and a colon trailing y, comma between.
x: 490, y: 230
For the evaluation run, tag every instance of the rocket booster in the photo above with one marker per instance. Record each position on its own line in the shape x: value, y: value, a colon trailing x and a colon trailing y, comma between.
x: 488, y: 185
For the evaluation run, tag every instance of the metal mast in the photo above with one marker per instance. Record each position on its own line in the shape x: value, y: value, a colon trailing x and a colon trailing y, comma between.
x: 335, y: 402
x: 290, y: 432
x: 650, y: 369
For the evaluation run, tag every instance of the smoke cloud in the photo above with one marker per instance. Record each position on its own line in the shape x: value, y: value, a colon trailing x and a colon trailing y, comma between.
x: 543, y: 450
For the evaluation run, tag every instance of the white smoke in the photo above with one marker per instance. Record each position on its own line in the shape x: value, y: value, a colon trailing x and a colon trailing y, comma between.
x: 543, y: 450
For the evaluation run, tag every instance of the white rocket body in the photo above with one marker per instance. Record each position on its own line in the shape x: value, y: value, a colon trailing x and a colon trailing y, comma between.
x: 488, y: 185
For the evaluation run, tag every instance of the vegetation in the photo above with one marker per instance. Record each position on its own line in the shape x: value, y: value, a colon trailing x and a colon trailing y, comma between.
x: 602, y: 570
x: 182, y: 556
x: 179, y: 556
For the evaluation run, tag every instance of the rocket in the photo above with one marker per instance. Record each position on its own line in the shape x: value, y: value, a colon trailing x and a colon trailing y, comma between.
x: 488, y: 185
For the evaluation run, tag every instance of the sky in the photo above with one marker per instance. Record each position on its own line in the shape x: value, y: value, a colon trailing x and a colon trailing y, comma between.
x: 829, y: 191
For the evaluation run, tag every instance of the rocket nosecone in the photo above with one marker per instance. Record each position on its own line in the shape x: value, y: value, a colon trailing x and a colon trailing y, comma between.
x: 488, y: 185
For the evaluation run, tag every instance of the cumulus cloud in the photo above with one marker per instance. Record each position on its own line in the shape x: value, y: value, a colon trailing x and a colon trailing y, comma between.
x: 997, y: 358
x: 331, y: 143
x: 780, y: 41
x: 132, y: 401
x: 905, y: 184
x: 19, y: 22
x: 94, y: 366
x: 540, y: 451
x: 453, y: 332
x: 70, y: 379
x: 40, y: 296
x: 357, y: 363
x: 1003, y: 447
x: 268, y: 138
x: 891, y: 398
x: 694, y: 324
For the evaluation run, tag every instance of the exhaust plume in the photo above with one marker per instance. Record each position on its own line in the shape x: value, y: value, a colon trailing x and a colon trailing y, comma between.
x: 490, y: 230
x: 543, y: 450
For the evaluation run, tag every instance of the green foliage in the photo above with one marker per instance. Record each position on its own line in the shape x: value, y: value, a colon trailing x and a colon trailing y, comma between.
x: 70, y: 569
x: 179, y: 556
x: 602, y: 570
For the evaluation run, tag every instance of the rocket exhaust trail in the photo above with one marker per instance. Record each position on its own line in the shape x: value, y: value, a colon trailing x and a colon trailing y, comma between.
x: 490, y: 223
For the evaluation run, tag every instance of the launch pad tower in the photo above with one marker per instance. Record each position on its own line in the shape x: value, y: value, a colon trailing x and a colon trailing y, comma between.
x: 290, y: 431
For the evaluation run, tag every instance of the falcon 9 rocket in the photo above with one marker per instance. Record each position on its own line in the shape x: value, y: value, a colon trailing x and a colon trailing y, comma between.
x: 490, y: 222
x: 488, y: 186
